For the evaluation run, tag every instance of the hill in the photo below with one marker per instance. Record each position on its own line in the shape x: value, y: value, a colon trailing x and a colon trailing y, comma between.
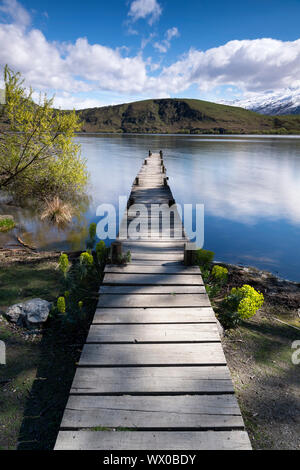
x: 183, y: 116
x: 180, y: 116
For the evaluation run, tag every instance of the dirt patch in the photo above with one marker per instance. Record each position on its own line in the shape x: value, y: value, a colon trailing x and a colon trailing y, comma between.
x: 259, y: 354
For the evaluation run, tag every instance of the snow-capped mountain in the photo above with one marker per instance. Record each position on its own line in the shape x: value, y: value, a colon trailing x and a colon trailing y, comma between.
x: 285, y: 101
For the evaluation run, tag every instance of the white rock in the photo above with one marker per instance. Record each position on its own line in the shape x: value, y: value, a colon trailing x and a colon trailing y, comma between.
x: 32, y: 313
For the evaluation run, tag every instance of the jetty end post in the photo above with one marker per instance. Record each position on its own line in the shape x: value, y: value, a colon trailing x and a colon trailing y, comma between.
x: 116, y: 252
x: 160, y: 154
x: 190, y: 255
x: 150, y: 153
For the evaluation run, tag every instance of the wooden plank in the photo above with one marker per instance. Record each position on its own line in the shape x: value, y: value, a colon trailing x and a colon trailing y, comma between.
x: 151, y: 248
x: 162, y: 256
x: 158, y: 440
x: 187, y: 333
x: 152, y: 300
x: 146, y: 412
x: 161, y: 380
x: 157, y: 279
x: 154, y: 289
x: 154, y: 315
x: 166, y: 269
x: 152, y: 354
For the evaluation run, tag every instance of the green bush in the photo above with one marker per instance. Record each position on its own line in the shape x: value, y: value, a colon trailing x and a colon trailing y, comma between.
x: 241, y: 304
x: 92, y: 235
x: 64, y: 264
x: 6, y: 224
x: 86, y: 259
x: 61, y: 305
x: 204, y: 258
x: 92, y: 230
x: 219, y: 274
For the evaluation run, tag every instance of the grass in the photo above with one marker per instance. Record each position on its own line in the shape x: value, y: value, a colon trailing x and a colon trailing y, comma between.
x: 35, y: 382
x: 20, y: 282
x: 6, y: 224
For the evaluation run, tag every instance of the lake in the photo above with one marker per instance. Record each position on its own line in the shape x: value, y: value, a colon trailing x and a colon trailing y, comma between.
x: 249, y: 185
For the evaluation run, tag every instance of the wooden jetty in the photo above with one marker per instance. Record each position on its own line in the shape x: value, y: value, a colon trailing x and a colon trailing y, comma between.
x: 152, y: 374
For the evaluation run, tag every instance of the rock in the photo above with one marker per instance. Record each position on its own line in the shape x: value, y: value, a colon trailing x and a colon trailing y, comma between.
x: 31, y: 313
x: 14, y: 312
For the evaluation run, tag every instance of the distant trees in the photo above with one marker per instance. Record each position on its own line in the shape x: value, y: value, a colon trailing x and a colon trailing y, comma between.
x: 38, y: 157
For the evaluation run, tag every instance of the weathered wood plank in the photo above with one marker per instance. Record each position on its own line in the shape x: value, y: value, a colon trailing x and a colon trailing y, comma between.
x: 154, y: 289
x: 154, y: 315
x: 161, y: 440
x: 146, y: 412
x: 160, y: 380
x: 162, y: 256
x: 152, y: 300
x: 165, y: 269
x: 157, y: 279
x: 152, y: 354
x: 194, y: 332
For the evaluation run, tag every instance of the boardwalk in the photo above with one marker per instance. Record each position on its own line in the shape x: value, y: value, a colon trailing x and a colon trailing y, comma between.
x: 152, y: 374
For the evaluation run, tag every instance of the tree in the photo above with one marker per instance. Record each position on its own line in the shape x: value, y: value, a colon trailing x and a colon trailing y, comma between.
x: 38, y: 157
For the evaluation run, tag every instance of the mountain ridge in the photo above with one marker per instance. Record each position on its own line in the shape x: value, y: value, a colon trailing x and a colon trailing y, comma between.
x: 282, y: 102
x: 181, y: 115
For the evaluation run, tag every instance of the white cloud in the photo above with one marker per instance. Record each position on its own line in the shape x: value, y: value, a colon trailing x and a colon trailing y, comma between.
x: 172, y: 33
x: 145, y: 8
x: 165, y: 44
x: 249, y: 65
x: 14, y: 10
x: 252, y: 65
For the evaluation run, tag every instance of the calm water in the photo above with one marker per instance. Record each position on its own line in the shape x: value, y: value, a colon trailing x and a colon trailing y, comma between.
x: 250, y: 187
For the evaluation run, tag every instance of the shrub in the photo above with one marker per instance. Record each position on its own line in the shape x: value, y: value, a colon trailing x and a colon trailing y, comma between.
x: 101, y: 252
x: 92, y: 235
x: 57, y: 211
x: 6, y: 224
x: 61, y: 305
x: 242, y: 303
x: 204, y: 258
x: 86, y: 259
x: 64, y: 264
x: 219, y: 274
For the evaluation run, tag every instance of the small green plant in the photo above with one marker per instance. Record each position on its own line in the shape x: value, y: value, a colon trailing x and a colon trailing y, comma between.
x: 80, y: 304
x: 67, y: 294
x: 6, y: 224
x: 101, y: 253
x: 124, y: 259
x: 92, y: 235
x: 219, y: 274
x: 64, y: 264
x: 241, y: 304
x: 86, y: 259
x: 61, y: 305
x: 204, y: 258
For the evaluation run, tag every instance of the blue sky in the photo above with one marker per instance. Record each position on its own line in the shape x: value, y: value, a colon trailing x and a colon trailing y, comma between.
x: 98, y: 53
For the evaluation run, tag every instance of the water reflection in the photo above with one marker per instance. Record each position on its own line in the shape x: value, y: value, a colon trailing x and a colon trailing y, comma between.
x: 250, y: 187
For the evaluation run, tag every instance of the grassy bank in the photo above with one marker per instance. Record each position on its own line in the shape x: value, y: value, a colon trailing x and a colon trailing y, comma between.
x: 35, y: 382
x: 259, y: 355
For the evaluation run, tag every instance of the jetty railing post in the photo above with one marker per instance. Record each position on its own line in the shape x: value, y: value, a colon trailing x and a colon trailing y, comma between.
x: 150, y: 153
x: 190, y: 255
x: 161, y: 154
x: 145, y: 162
x: 136, y: 181
x: 166, y: 181
x: 116, y: 252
